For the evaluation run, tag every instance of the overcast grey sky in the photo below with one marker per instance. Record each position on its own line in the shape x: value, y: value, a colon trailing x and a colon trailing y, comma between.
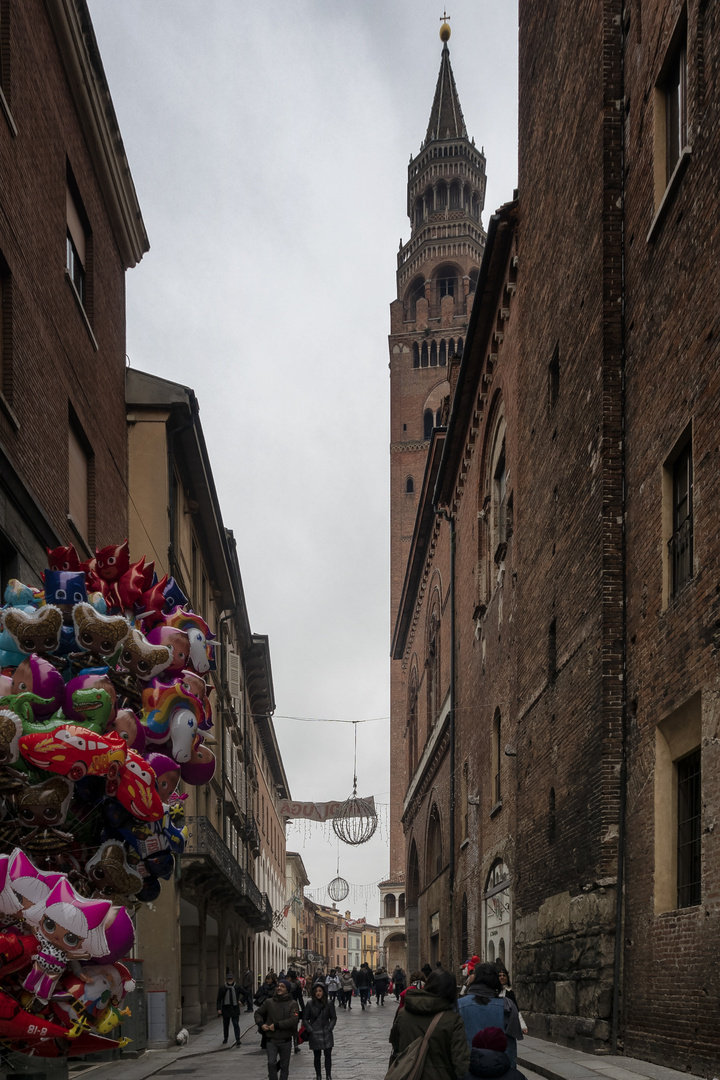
x: 269, y: 145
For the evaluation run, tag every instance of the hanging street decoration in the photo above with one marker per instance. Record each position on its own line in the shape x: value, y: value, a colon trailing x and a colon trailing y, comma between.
x: 355, y: 821
x: 326, y: 811
x: 338, y: 889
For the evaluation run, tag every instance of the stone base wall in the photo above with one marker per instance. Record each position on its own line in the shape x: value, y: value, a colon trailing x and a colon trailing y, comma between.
x: 564, y: 968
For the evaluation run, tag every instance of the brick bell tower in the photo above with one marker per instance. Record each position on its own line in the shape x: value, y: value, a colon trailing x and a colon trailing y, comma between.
x: 437, y: 271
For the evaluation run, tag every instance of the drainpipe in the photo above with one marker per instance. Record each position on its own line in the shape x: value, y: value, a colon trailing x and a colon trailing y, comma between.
x: 620, y: 887
x: 451, y: 877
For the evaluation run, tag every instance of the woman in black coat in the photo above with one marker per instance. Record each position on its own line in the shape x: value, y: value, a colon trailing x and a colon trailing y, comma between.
x: 319, y: 1018
x: 229, y: 999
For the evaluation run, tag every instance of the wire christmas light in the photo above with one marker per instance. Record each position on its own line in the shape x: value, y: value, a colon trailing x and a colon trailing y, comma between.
x: 356, y: 821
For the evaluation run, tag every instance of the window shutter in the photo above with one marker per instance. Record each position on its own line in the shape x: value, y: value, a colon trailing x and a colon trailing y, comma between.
x: 233, y: 671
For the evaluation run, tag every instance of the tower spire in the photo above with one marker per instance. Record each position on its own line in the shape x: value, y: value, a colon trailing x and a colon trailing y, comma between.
x: 446, y: 118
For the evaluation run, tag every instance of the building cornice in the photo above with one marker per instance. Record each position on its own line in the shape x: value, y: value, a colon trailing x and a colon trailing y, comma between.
x: 75, y: 37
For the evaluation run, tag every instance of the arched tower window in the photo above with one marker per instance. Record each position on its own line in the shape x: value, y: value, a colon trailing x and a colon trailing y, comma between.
x: 416, y: 354
x: 415, y: 292
x: 460, y: 347
x: 446, y: 282
x: 433, y: 354
x: 455, y: 195
x: 441, y: 196
x: 390, y: 906
x: 451, y: 348
x: 429, y: 202
x: 401, y: 905
x: 424, y: 355
x: 418, y: 214
x: 428, y: 424
x: 443, y: 353
x: 409, y: 486
x: 433, y: 860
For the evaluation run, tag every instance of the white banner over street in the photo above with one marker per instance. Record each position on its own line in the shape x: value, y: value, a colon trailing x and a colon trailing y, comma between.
x: 324, y: 811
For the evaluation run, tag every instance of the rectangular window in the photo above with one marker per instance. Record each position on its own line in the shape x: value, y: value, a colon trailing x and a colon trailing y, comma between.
x: 671, y: 139
x: 688, y: 832
x: 675, y: 91
x: 80, y: 483
x: 677, y: 517
x: 681, y: 540
x: 76, y: 247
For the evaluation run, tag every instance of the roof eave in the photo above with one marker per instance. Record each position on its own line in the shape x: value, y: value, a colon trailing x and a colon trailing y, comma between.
x: 72, y: 26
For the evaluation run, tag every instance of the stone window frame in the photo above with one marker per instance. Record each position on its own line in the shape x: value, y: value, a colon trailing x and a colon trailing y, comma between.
x: 676, y: 736
x: 669, y: 165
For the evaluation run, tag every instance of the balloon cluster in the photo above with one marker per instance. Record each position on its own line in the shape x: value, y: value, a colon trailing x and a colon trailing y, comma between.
x: 104, y: 709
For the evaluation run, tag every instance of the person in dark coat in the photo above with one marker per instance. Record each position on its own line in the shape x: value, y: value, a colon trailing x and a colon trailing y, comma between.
x: 248, y: 988
x: 399, y: 982
x: 364, y: 981
x: 228, y: 1006
x: 488, y: 1060
x: 266, y: 990
x: 319, y: 1018
x: 296, y: 992
x: 277, y: 1018
x: 448, y: 1054
x: 382, y: 981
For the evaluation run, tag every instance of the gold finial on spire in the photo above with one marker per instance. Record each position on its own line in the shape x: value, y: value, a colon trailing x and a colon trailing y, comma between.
x: 444, y: 29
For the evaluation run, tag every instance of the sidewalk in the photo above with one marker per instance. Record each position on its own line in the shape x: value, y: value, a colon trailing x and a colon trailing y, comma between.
x: 561, y: 1063
x: 203, y: 1041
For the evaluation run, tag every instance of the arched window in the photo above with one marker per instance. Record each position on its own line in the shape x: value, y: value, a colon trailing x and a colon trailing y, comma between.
x: 496, y: 757
x: 424, y: 355
x: 412, y: 722
x: 441, y: 196
x: 415, y: 292
x: 474, y: 274
x: 460, y: 347
x: 443, y: 353
x: 413, y: 876
x: 418, y: 213
x: 390, y: 906
x: 434, y: 860
x: 401, y: 905
x: 455, y: 196
x: 427, y: 424
x: 496, y: 909
x: 433, y: 354
x: 433, y: 665
x: 429, y: 202
x: 409, y: 486
x: 451, y: 348
x: 446, y: 282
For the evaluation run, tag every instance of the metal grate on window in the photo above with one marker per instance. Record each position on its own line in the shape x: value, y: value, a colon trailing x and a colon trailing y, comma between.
x: 688, y: 838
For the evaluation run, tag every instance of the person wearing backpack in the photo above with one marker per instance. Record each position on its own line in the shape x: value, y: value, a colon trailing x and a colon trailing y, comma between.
x: 482, y: 1007
x: 432, y: 1010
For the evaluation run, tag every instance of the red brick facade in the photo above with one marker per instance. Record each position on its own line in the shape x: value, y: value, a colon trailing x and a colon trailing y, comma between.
x: 60, y: 358
x: 580, y: 472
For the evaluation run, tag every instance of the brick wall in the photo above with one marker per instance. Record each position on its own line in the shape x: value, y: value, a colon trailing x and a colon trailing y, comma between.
x: 54, y: 365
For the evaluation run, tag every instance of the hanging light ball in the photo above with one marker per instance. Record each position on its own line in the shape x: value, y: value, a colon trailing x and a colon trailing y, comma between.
x: 338, y: 889
x: 355, y: 822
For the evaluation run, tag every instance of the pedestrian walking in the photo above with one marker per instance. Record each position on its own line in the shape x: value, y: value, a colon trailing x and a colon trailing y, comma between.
x: 488, y: 1059
x: 248, y: 988
x: 266, y: 990
x: 482, y: 1007
x: 448, y: 1053
x: 228, y: 1006
x: 506, y: 990
x: 364, y: 981
x: 399, y: 982
x: 277, y: 1018
x: 296, y: 992
x: 347, y: 987
x: 382, y: 981
x: 333, y: 985
x: 319, y: 1018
